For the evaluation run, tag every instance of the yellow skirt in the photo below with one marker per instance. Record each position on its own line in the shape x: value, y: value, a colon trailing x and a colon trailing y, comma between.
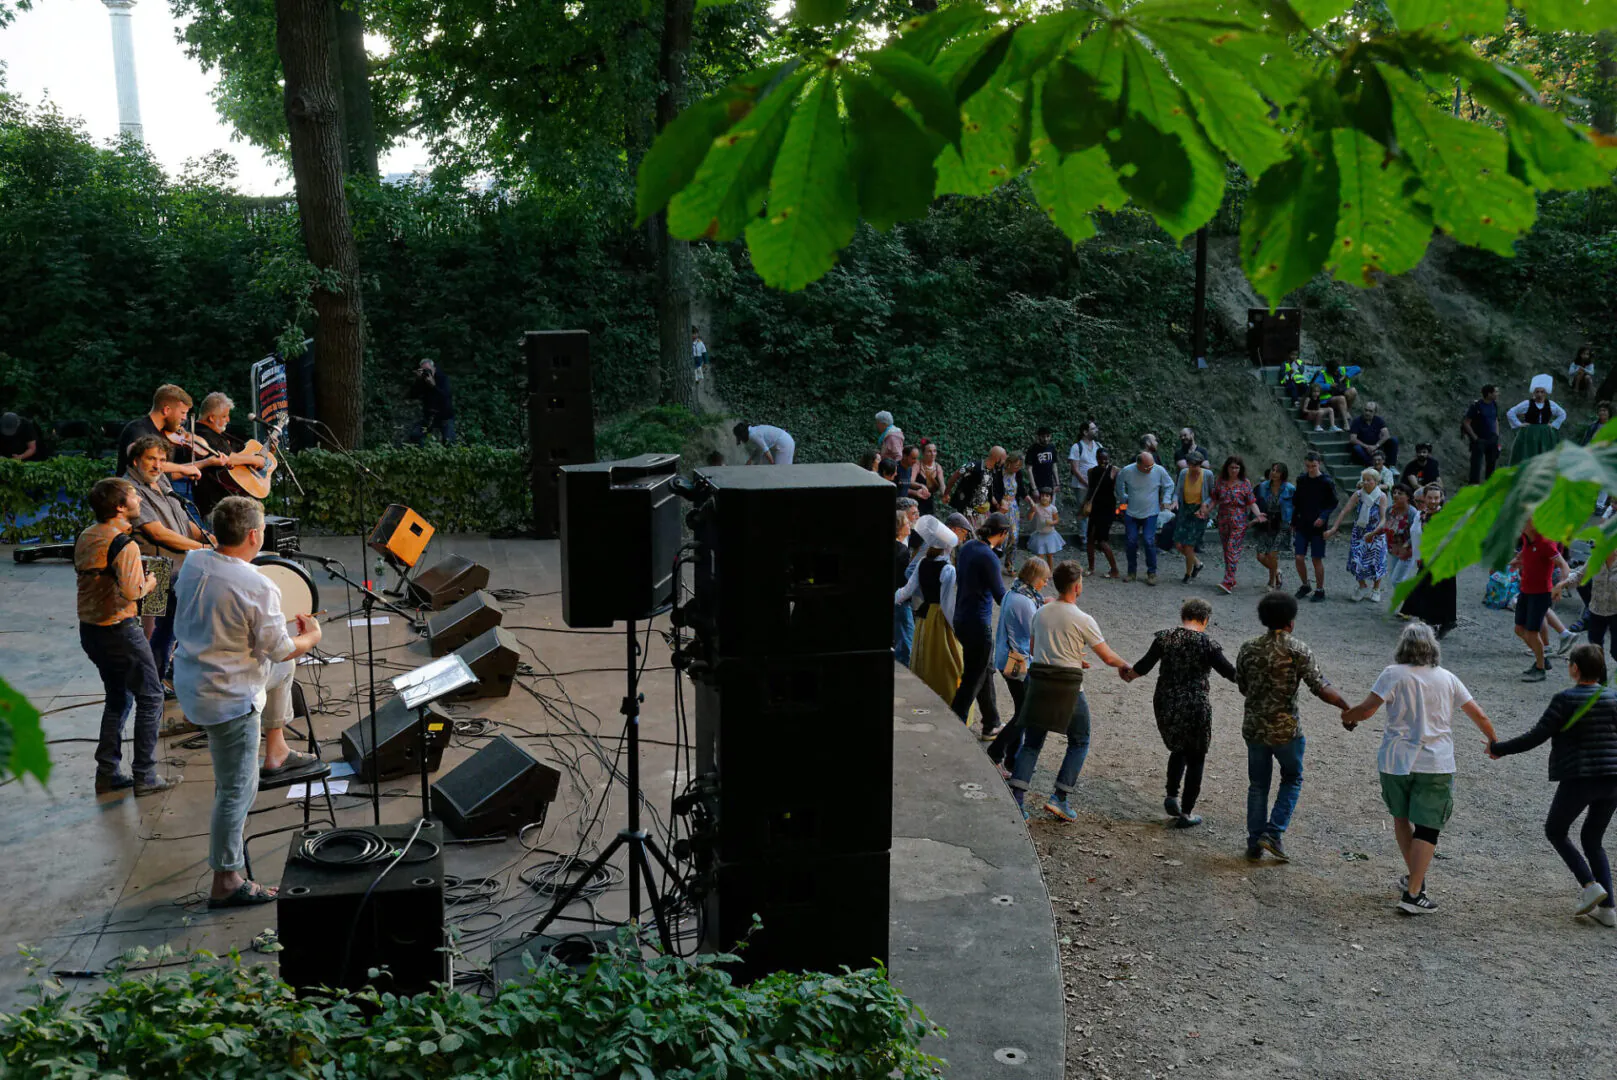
x: 935, y: 657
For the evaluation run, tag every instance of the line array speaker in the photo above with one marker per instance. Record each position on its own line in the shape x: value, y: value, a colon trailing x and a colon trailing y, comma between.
x: 398, y: 739
x: 461, y: 622
x: 561, y: 417
x: 451, y: 578
x: 1272, y: 336
x: 398, y: 921
x: 498, y: 789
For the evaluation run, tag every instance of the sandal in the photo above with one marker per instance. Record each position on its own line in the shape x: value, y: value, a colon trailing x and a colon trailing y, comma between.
x: 247, y: 894
x: 296, y: 762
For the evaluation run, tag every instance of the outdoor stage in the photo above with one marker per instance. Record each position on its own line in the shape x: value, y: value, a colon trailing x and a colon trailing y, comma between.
x: 87, y: 878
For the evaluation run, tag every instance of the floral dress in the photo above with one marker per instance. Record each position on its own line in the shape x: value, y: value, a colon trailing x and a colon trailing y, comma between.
x: 1183, y: 709
x: 1367, y: 561
x: 1231, y: 498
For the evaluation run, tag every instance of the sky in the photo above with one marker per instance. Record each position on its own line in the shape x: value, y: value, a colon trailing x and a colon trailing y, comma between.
x: 62, y: 50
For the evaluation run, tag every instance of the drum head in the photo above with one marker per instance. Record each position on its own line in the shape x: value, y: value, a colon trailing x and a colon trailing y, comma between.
x: 298, y: 594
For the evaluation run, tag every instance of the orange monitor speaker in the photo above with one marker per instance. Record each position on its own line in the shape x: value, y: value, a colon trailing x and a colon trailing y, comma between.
x: 401, y: 535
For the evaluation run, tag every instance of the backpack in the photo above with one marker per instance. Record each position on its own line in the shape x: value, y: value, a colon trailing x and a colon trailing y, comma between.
x: 1502, y: 589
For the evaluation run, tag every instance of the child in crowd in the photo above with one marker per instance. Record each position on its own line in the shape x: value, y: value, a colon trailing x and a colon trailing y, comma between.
x: 1046, y: 540
x: 1583, y: 764
x: 1183, y: 708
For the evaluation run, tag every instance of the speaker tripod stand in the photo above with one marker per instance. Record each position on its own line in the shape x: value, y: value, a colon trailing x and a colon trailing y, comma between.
x: 643, y: 850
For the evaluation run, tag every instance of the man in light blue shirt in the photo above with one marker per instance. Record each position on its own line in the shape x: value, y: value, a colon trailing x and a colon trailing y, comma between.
x: 1147, y: 489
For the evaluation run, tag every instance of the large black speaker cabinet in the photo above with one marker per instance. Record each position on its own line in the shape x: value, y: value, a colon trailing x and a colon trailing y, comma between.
x: 492, y: 656
x: 451, y: 578
x: 794, y: 559
x: 1272, y: 336
x: 561, y: 417
x: 397, y: 922
x: 464, y: 620
x: 753, y: 715
x: 816, y: 914
x: 632, y: 502
x: 399, y: 740
x: 498, y: 789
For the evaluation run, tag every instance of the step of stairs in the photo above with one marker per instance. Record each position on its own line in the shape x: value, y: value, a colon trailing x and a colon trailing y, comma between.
x: 1332, y: 445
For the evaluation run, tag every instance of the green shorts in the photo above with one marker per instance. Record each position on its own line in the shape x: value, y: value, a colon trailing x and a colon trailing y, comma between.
x: 1423, y: 798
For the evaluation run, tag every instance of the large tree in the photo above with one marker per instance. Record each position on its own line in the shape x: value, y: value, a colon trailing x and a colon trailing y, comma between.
x: 678, y: 384
x: 305, y: 32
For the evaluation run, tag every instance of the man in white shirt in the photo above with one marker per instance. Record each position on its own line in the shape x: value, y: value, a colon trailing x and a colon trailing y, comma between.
x: 1080, y: 460
x: 232, y: 643
x: 1061, y: 633
x: 765, y: 445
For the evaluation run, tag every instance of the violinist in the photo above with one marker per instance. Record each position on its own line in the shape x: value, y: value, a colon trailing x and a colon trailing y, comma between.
x: 170, y: 407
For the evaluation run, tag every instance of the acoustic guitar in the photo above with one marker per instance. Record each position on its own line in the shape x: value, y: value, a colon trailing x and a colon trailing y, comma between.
x: 250, y: 479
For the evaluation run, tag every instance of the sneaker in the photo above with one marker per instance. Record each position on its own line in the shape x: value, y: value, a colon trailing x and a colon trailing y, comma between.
x: 105, y: 782
x: 1129, y: 579
x: 1197, y: 568
x: 1254, y: 851
x: 1417, y: 905
x: 1605, y: 916
x: 1187, y: 821
x: 1060, y: 808
x: 1150, y: 579
x: 1185, y: 580
x: 1358, y: 593
x: 1303, y: 590
x: 1403, y: 883
x: 1225, y: 589
x: 1270, y: 842
x: 1171, y: 805
x: 1318, y: 597
x: 1375, y: 596
x: 1319, y: 429
x: 155, y: 786
x: 1576, y: 628
x: 1567, y: 640
x: 1592, y: 896
x: 1334, y: 430
x: 1533, y: 674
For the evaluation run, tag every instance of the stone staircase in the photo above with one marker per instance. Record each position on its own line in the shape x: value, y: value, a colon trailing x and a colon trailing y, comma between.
x: 1332, y: 445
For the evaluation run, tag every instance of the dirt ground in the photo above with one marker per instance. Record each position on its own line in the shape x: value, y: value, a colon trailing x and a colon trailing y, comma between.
x: 1182, y: 959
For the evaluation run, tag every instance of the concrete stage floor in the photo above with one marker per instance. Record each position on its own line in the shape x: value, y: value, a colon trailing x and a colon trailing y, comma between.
x: 84, y: 879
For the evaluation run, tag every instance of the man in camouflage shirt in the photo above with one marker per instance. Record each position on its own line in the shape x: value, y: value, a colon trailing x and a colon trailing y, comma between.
x: 1268, y: 671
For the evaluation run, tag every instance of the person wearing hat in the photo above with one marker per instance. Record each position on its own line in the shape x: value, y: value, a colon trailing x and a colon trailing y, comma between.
x: 1536, y: 421
x: 765, y: 445
x: 934, y: 653
x: 19, y: 438
x: 978, y: 587
x: 890, y: 442
x: 1423, y: 469
x: 960, y: 525
x: 1312, y: 504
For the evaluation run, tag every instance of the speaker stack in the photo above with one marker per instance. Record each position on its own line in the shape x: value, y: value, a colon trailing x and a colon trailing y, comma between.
x: 561, y: 417
x: 794, y: 619
x: 1272, y: 336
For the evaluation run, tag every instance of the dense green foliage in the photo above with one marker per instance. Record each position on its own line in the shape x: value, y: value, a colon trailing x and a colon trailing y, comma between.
x: 22, y: 740
x: 665, y: 1018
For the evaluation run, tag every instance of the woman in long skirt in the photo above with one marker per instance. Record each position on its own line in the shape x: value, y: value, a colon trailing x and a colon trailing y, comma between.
x: 1367, y: 551
x: 935, y: 657
x: 1536, y: 421
x: 1435, y: 603
x: 1234, y: 505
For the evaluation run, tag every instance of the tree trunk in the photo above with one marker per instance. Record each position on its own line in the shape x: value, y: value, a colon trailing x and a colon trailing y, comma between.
x: 674, y: 256
x: 303, y: 36
x: 354, y: 71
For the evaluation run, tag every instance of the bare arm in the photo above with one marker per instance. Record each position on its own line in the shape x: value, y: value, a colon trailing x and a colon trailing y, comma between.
x: 1110, y: 658
x: 1364, y: 710
x: 1480, y: 718
x: 307, y: 637
x: 165, y: 537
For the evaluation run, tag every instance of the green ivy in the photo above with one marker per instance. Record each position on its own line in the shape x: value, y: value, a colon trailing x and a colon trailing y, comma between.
x: 22, y: 741
x: 28, y: 487
x: 660, y: 1019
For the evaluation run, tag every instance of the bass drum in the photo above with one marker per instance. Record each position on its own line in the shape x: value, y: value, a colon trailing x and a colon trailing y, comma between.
x: 298, y: 593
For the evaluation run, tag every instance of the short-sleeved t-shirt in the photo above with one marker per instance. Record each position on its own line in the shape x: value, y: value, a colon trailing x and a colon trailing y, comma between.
x: 1041, y: 461
x: 157, y: 504
x: 1061, y: 633
x: 1420, y: 703
x: 1538, y: 563
x: 17, y: 442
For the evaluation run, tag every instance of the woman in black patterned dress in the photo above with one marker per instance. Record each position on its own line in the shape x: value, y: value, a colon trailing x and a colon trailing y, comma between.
x: 1184, y: 710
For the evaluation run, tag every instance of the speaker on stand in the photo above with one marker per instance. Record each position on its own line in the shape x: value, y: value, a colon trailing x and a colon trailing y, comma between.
x: 561, y: 417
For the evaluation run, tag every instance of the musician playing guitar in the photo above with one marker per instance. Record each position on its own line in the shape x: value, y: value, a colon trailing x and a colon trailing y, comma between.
x: 227, y: 452
x: 170, y: 406
x: 162, y: 527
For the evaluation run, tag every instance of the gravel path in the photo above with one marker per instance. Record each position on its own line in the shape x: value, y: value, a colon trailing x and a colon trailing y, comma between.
x: 1182, y: 959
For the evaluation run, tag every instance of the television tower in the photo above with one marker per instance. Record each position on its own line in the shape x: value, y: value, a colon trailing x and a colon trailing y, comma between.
x: 123, y: 63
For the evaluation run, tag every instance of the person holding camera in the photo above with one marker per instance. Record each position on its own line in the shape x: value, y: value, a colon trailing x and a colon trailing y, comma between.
x: 431, y: 388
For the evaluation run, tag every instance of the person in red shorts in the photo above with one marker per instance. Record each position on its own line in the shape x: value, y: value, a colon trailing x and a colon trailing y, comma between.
x: 1538, y: 558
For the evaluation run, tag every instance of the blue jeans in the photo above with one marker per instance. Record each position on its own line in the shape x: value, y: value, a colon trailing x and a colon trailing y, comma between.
x: 1260, y: 760
x: 1027, y: 758
x: 903, y: 632
x: 1133, y: 529
x: 129, y: 680
x: 162, y: 640
x: 233, y: 746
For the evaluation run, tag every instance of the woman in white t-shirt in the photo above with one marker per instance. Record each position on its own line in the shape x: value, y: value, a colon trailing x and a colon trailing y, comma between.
x: 1416, y: 759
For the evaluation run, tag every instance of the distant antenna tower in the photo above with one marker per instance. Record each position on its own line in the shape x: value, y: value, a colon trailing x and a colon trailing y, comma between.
x: 123, y: 63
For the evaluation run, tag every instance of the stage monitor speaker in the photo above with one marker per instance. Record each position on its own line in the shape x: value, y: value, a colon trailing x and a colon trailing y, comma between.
x: 500, y: 788
x: 561, y: 418
x: 397, y: 921
x: 492, y: 656
x: 280, y: 534
x: 793, y: 559
x: 753, y: 714
x: 632, y: 501
x: 401, y: 534
x: 816, y: 914
x: 462, y: 621
x: 451, y: 578
x: 399, y: 740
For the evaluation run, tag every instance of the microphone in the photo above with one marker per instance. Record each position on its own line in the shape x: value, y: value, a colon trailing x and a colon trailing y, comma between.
x: 321, y: 559
x: 287, y: 416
